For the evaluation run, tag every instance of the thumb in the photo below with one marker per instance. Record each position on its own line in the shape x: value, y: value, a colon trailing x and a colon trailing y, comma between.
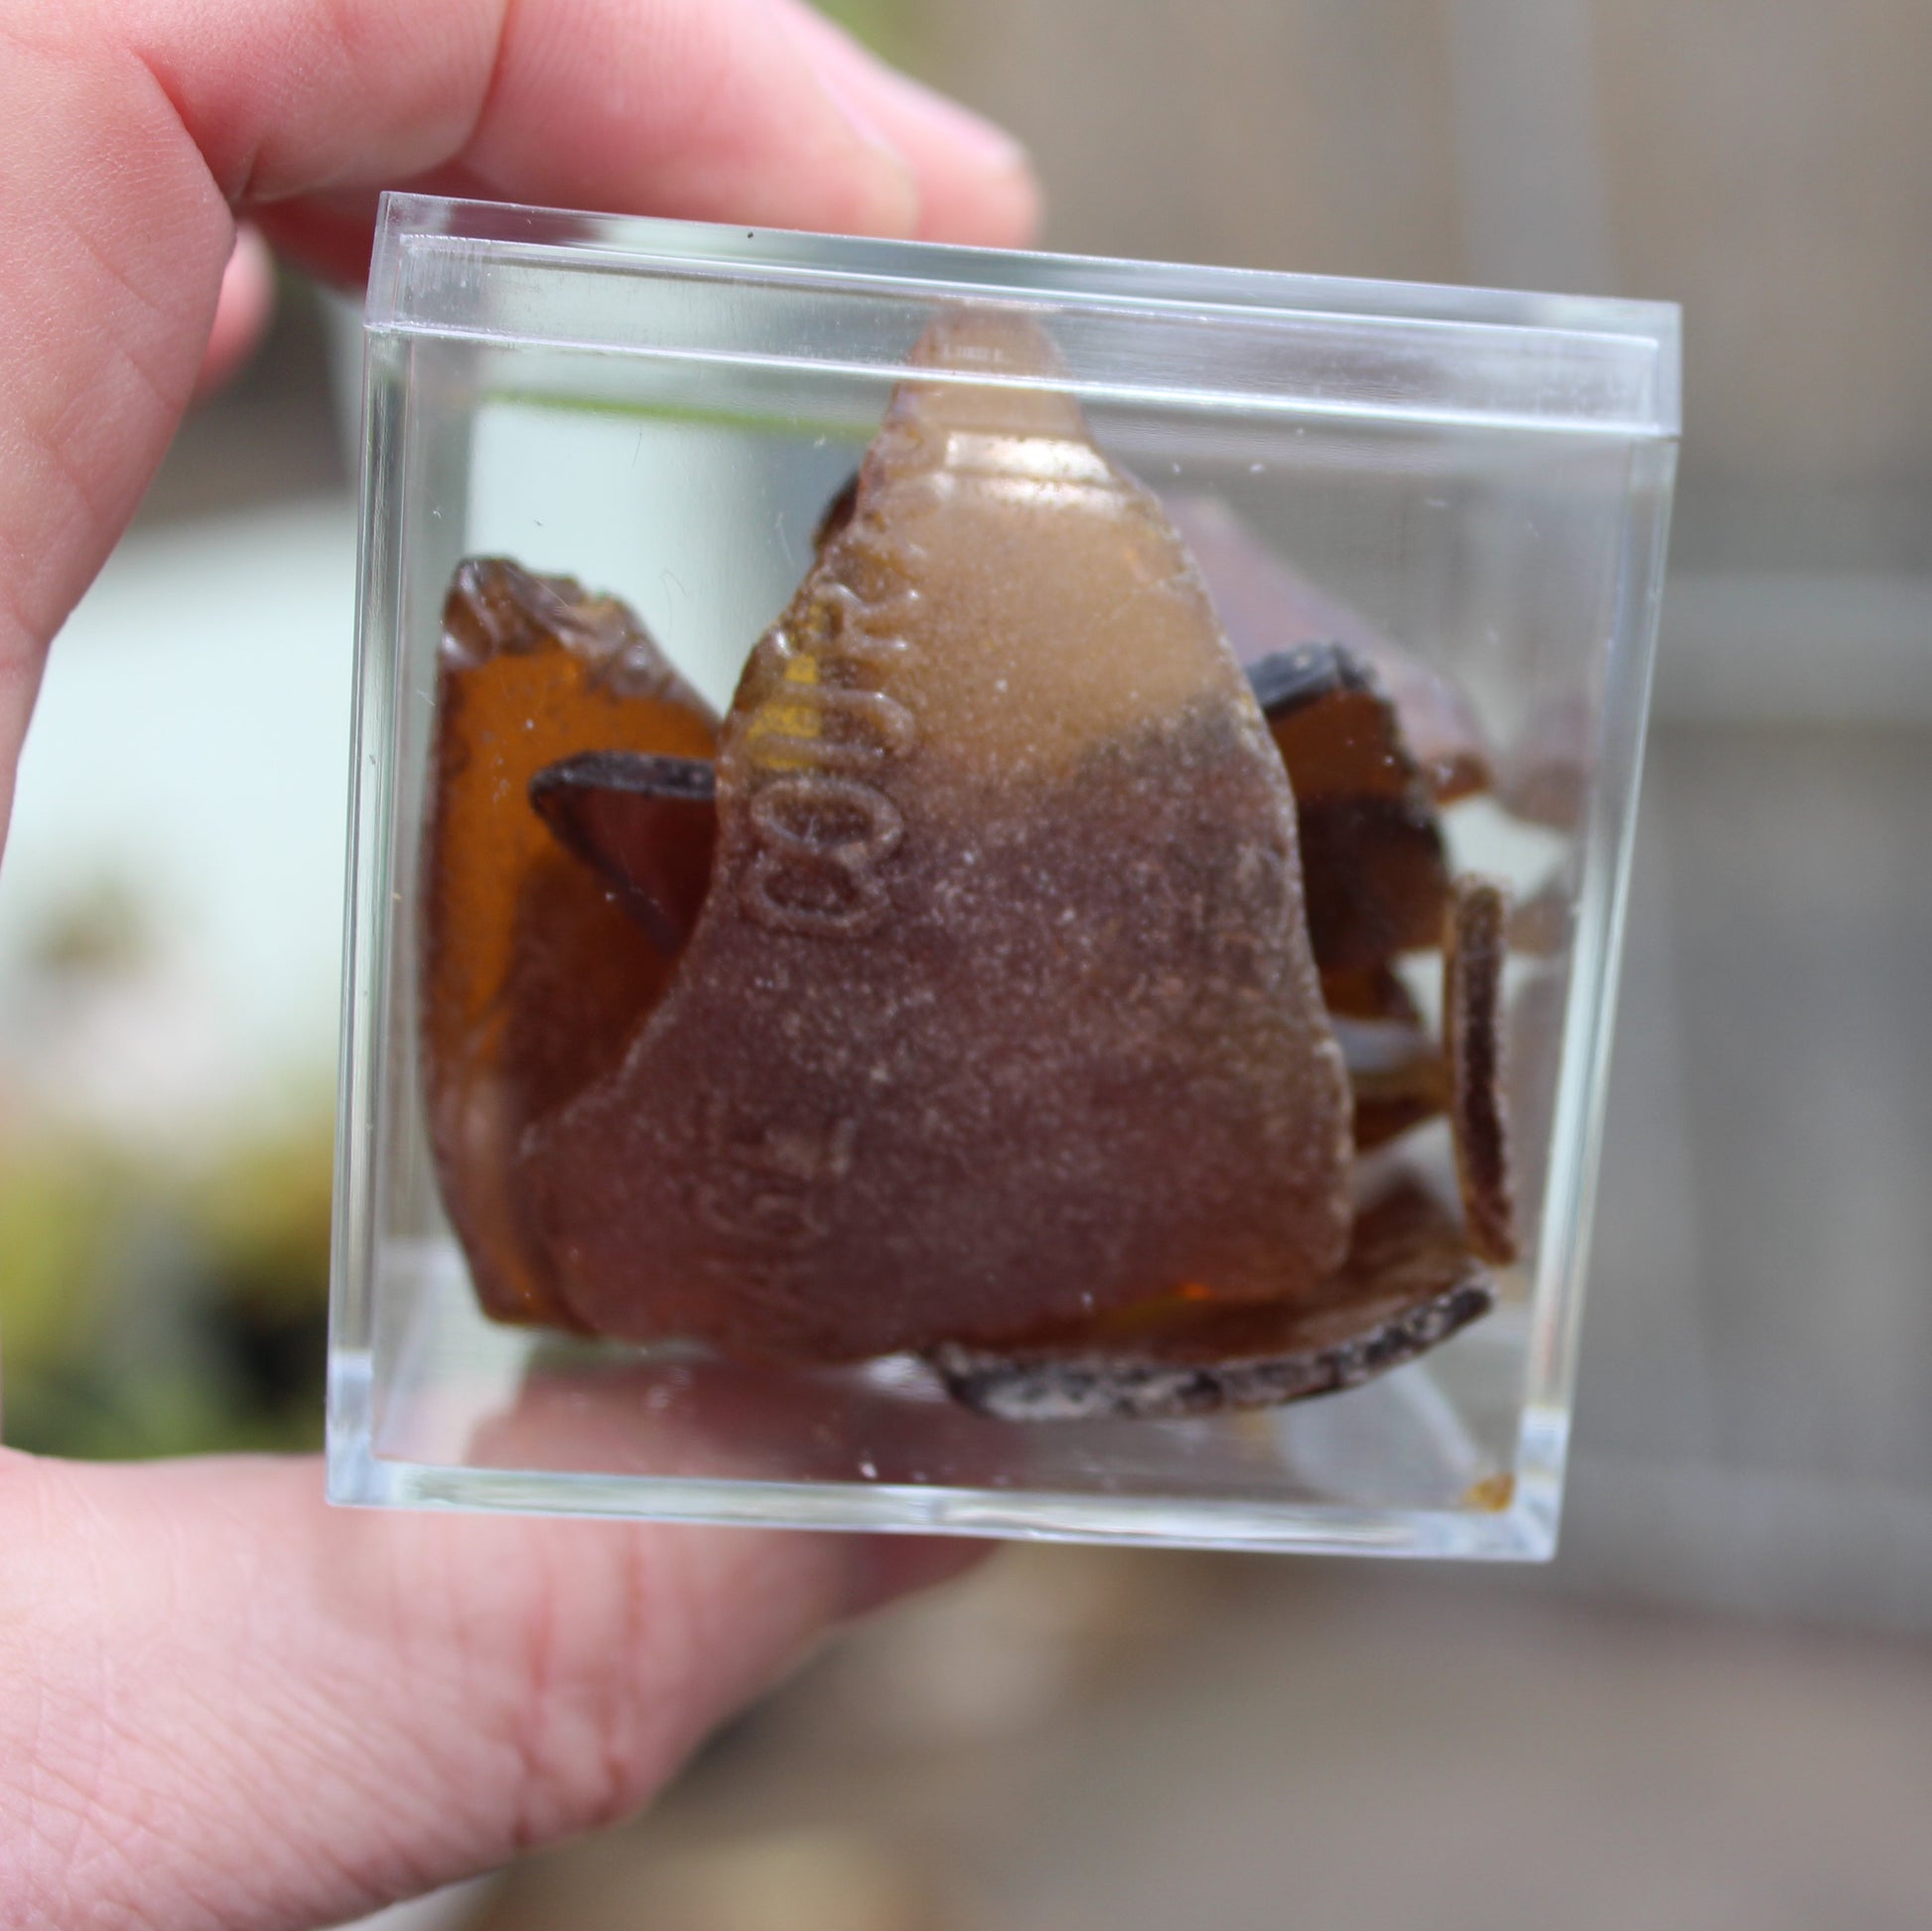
x: 222, y: 1701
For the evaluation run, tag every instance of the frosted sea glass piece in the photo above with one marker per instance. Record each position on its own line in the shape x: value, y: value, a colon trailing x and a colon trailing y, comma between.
x: 532, y: 978
x: 999, y: 1008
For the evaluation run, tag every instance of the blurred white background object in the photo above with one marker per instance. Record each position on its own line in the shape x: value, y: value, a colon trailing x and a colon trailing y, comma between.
x: 189, y: 754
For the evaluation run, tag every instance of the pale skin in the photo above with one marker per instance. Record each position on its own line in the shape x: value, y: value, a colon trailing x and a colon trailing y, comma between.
x: 222, y: 1704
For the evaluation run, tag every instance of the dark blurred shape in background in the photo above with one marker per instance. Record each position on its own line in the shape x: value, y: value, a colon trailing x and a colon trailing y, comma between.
x: 1717, y: 1710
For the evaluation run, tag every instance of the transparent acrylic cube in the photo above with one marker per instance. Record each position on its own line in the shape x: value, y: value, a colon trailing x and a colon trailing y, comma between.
x: 1454, y: 500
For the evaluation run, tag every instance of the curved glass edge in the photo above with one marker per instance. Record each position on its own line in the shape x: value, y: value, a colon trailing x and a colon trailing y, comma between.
x: 1515, y: 357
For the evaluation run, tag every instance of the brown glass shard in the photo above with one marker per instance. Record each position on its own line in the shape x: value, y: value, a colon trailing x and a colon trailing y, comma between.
x: 1473, y: 1022
x: 836, y: 514
x: 1409, y: 1282
x: 1374, y: 870
x: 1269, y: 608
x: 648, y: 825
x: 1000, y: 1008
x: 533, y: 978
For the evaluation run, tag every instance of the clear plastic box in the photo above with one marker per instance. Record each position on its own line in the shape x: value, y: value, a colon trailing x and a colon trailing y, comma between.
x: 872, y: 1153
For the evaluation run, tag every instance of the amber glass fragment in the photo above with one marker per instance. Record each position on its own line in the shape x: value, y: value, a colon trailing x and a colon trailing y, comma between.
x: 533, y: 977
x: 1375, y: 876
x: 1375, y: 880
x: 1268, y: 606
x: 1410, y: 1281
x: 999, y: 1008
x: 1472, y: 1023
x: 836, y: 514
x: 648, y: 824
x: 1335, y: 725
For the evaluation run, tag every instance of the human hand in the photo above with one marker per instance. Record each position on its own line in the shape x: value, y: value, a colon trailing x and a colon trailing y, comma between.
x: 221, y: 1704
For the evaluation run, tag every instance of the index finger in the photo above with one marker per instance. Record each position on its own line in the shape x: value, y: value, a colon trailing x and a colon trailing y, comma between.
x: 130, y: 130
x: 742, y: 110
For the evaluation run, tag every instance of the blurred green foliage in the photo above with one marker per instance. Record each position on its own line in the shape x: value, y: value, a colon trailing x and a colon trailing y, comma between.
x: 161, y: 1292
x: 143, y: 1312
x: 890, y: 28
